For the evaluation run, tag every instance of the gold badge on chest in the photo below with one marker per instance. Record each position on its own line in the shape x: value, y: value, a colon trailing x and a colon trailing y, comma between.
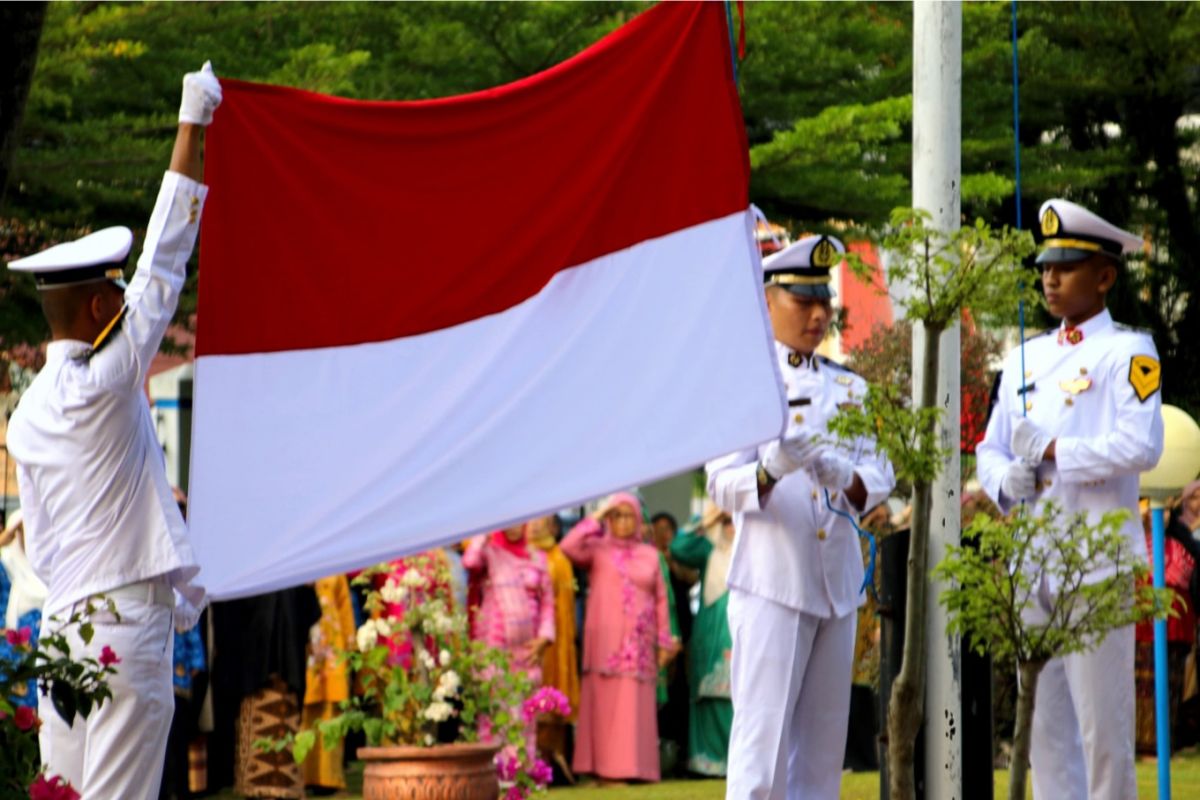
x: 1076, y: 385
x: 795, y: 360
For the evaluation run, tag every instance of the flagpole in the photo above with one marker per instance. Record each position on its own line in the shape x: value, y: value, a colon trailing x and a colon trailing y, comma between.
x: 936, y: 183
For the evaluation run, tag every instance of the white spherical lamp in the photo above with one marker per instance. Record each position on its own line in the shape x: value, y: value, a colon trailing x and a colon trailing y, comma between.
x: 1180, y: 462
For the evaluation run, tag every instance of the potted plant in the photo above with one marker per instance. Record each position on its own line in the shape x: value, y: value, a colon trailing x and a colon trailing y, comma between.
x: 74, y: 687
x: 440, y: 712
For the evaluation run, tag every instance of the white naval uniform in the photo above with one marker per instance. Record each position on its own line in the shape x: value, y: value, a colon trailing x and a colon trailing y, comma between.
x: 1106, y: 434
x: 795, y: 581
x: 100, y: 515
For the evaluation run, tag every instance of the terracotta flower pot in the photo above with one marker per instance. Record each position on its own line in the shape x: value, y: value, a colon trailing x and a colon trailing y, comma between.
x: 441, y: 772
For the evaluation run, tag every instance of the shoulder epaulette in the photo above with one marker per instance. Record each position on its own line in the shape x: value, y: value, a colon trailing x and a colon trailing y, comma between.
x: 1121, y: 326
x: 825, y: 361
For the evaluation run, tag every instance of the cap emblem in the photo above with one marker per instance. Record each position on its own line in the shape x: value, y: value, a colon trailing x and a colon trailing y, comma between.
x: 824, y: 254
x: 1050, y: 223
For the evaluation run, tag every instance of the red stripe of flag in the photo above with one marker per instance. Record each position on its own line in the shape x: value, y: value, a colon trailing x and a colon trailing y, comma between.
x: 336, y: 222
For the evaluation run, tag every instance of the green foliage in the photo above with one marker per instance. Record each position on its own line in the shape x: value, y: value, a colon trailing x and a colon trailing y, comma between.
x: 1099, y: 579
x: 976, y: 267
x: 908, y: 435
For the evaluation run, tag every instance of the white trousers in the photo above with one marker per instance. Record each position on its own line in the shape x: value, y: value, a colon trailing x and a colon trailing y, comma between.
x: 118, y: 751
x: 1083, y: 719
x: 790, y: 683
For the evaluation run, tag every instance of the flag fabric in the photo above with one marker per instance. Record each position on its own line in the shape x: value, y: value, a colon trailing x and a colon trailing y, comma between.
x: 422, y: 320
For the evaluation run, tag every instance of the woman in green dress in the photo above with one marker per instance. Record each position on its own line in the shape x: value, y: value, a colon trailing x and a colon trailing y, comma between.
x: 709, y: 548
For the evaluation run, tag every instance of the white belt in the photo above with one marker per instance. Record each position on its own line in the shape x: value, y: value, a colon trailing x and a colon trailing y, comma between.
x: 158, y: 593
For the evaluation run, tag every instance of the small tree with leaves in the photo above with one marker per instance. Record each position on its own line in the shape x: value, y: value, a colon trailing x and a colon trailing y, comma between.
x: 975, y: 268
x: 1099, y: 584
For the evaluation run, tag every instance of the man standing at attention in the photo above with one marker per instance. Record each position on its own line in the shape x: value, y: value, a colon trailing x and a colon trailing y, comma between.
x: 1080, y: 426
x: 796, y: 576
x: 100, y: 518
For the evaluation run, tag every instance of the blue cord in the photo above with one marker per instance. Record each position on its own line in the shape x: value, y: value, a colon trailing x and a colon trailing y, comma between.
x: 869, y: 578
x: 732, y: 38
x: 1016, y: 113
x: 1016, y: 84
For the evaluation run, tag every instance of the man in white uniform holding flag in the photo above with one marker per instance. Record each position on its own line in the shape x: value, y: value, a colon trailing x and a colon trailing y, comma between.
x: 100, y: 518
x: 796, y: 578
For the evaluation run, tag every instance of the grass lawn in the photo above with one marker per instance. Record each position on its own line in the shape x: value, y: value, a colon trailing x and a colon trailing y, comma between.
x: 1185, y: 783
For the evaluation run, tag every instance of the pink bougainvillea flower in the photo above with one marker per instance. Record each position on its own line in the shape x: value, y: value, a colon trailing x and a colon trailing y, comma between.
x: 108, y: 657
x: 515, y: 793
x: 507, y: 764
x: 546, y: 700
x: 541, y: 773
x: 18, y: 638
x: 24, y: 718
x: 54, y: 788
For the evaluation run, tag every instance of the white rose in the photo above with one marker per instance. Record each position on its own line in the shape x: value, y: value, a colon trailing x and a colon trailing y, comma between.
x: 443, y: 657
x: 412, y: 578
x: 426, y: 659
x: 392, y: 592
x: 449, y: 682
x: 367, y: 636
x: 438, y: 711
x: 383, y: 626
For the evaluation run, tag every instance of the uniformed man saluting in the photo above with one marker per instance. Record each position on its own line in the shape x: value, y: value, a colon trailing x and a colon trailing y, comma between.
x: 1092, y: 422
x: 796, y: 574
x: 100, y: 518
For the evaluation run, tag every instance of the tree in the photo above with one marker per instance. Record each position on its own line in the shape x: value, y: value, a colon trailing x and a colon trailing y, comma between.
x: 22, y: 27
x: 994, y: 584
x: 976, y: 268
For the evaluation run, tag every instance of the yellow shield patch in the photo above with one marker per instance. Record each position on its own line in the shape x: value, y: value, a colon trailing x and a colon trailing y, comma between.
x: 1145, y: 376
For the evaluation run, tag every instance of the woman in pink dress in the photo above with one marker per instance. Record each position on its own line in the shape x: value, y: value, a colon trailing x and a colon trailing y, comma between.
x: 516, y: 608
x: 626, y: 637
x: 516, y: 611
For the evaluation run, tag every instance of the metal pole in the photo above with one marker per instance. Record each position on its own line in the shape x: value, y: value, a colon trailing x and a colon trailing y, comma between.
x: 1162, y: 711
x: 936, y: 181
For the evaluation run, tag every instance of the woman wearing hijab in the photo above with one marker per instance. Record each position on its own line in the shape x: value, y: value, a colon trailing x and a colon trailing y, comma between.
x: 626, y: 638
x: 516, y: 610
x: 709, y: 549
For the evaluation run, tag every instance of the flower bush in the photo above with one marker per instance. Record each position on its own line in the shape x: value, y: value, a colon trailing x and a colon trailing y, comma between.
x: 74, y: 687
x: 424, y: 682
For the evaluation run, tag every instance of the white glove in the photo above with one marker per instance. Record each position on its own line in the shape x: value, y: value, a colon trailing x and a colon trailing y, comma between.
x: 833, y: 470
x: 1019, y: 482
x: 1029, y: 442
x: 201, y: 96
x: 789, y: 454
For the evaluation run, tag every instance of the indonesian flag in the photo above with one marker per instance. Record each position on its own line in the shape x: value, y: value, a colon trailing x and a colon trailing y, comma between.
x: 422, y: 320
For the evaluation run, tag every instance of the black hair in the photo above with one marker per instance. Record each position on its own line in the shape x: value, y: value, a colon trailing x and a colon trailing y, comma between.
x: 668, y: 517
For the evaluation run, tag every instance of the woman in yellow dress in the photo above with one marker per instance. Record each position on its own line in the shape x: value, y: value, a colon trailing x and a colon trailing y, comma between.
x: 328, y: 681
x: 560, y: 665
